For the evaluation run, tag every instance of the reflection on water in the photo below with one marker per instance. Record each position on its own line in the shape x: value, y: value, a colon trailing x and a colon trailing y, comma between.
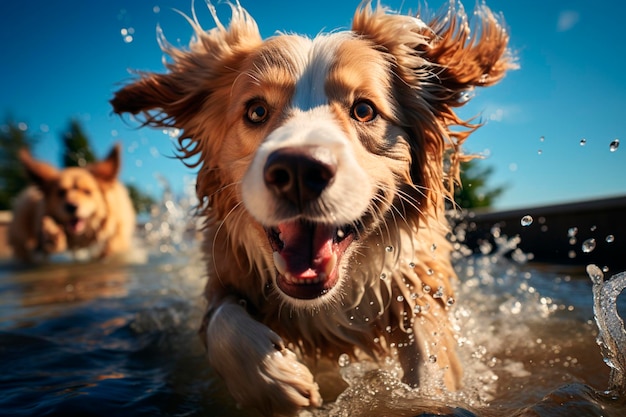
x: 119, y: 339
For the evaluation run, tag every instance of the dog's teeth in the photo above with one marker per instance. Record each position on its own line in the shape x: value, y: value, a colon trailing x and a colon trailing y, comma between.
x: 330, y: 265
x: 279, y: 262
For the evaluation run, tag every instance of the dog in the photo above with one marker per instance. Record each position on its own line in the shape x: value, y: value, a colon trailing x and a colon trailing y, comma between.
x: 71, y: 209
x: 324, y: 168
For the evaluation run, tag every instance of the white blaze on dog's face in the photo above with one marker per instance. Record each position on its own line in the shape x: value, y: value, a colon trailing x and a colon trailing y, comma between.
x: 320, y: 112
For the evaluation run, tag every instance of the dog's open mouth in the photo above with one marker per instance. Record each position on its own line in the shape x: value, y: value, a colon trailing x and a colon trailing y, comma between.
x: 76, y: 225
x: 307, y: 256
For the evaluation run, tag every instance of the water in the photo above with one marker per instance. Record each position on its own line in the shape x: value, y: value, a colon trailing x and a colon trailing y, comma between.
x: 120, y: 339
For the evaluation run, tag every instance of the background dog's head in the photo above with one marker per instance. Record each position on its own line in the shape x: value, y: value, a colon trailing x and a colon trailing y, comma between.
x: 317, y: 143
x: 74, y: 196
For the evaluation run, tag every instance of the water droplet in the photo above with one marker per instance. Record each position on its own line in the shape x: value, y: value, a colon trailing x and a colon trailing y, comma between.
x: 426, y: 288
x: 614, y: 145
x: 412, y: 264
x: 610, y: 239
x: 583, y: 142
x: 572, y: 240
x: 389, y: 248
x: 400, y: 298
x: 593, y: 228
x: 433, y: 247
x: 344, y: 360
x: 571, y: 254
x: 383, y: 276
x: 432, y: 359
x: 429, y: 272
x: 439, y: 292
x: 572, y: 231
x: 539, y: 152
x: 450, y: 301
x: 589, y: 245
x: 541, y: 139
x: 605, y: 268
x: 527, y: 220
x: 595, y: 273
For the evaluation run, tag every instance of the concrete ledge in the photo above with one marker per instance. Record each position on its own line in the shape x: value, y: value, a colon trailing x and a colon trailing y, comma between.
x: 547, y: 238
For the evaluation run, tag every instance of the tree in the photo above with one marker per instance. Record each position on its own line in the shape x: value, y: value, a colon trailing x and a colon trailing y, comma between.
x: 13, y: 178
x: 473, y: 191
x: 77, y: 149
x: 141, y: 201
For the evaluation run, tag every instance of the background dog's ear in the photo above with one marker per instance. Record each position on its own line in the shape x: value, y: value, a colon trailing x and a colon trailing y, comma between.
x: 173, y: 98
x: 41, y: 173
x: 108, y: 168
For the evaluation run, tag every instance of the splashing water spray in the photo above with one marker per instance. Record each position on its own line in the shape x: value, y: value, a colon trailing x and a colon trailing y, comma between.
x: 612, y: 335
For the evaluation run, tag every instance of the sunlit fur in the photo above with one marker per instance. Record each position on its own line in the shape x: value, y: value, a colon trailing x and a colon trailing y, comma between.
x: 393, y: 176
x: 71, y: 209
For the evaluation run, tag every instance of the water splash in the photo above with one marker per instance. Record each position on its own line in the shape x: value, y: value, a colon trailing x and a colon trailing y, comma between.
x: 169, y: 228
x: 614, y: 145
x: 612, y: 335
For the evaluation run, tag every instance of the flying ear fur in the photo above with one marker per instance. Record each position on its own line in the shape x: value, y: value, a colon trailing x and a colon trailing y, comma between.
x: 173, y: 98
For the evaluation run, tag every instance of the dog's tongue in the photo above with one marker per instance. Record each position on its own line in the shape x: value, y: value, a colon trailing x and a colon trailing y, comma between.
x: 76, y: 225
x: 307, y: 248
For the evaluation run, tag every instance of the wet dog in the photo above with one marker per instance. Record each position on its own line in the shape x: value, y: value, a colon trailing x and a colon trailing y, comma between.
x: 324, y: 167
x: 71, y: 209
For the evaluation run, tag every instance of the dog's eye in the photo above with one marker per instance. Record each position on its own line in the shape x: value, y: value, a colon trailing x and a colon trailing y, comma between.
x: 363, y: 111
x: 257, y: 112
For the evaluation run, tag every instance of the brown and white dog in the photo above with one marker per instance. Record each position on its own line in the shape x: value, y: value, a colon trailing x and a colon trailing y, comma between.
x: 324, y: 166
x: 72, y: 208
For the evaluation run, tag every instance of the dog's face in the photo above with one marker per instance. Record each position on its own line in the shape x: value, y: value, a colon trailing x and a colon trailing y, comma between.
x: 309, y: 146
x: 73, y: 196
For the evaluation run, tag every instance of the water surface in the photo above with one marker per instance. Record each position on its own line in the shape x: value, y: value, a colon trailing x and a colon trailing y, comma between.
x: 120, y: 339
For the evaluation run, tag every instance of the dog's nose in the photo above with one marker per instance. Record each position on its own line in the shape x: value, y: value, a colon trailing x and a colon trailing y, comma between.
x: 300, y: 174
x: 71, y: 208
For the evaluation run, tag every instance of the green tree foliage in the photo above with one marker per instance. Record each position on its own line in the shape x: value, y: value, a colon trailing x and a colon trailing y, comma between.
x: 13, y: 177
x: 142, y: 202
x: 474, y: 192
x: 76, y: 147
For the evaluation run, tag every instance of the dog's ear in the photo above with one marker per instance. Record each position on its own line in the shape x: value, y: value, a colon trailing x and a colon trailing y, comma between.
x: 108, y: 168
x: 41, y: 173
x: 435, y: 65
x: 442, y: 59
x: 174, y: 98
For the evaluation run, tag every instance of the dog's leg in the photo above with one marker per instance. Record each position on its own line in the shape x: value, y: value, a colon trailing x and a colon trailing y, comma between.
x: 255, y: 364
x: 52, y: 237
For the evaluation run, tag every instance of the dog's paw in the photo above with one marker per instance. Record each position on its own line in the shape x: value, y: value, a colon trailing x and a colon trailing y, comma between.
x: 293, y: 386
x: 53, y: 237
x: 258, y: 369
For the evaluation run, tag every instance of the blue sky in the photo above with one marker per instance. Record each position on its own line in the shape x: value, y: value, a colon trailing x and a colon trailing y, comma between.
x: 64, y: 60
